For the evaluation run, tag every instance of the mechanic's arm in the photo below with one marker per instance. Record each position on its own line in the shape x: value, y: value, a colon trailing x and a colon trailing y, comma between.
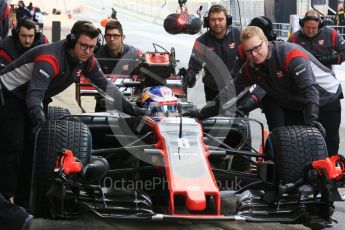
x: 300, y: 70
x: 111, y: 92
x: 339, y: 56
x: 42, y: 74
x: 194, y: 65
x: 227, y: 97
x: 239, y: 88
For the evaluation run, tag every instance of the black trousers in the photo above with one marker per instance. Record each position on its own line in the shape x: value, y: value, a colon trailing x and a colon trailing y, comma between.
x: 15, y: 139
x: 329, y: 117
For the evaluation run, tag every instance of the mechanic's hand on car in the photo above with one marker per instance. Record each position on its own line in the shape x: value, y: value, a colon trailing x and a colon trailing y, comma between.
x: 195, y: 113
x: 250, y: 103
x: 37, y: 116
x: 330, y: 59
x: 138, y: 111
x: 319, y: 126
x: 187, y: 77
x: 129, y: 108
x: 209, y: 110
x: 311, y: 115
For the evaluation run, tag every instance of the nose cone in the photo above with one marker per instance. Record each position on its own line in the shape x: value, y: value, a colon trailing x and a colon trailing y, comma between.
x: 195, y: 199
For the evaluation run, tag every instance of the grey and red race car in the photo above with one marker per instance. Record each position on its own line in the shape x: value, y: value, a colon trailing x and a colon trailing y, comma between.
x: 167, y: 167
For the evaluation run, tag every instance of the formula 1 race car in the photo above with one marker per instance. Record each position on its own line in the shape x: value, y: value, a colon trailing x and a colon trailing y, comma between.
x: 134, y: 73
x: 167, y: 167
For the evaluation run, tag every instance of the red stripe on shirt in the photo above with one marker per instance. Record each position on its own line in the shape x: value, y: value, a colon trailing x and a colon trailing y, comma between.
x: 249, y: 77
x: 292, y: 38
x: 240, y: 52
x: 5, y: 55
x: 51, y: 60
x: 6, y: 13
x: 334, y: 38
x: 293, y: 54
x: 45, y: 39
x: 92, y: 63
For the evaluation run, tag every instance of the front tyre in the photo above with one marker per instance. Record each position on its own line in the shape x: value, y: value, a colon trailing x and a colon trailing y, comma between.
x: 53, y: 138
x: 292, y: 147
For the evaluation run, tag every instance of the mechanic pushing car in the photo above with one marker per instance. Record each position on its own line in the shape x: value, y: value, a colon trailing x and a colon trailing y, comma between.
x: 222, y: 39
x: 266, y: 25
x: 114, y: 49
x: 328, y: 46
x: 24, y: 37
x: 40, y: 73
x: 300, y: 87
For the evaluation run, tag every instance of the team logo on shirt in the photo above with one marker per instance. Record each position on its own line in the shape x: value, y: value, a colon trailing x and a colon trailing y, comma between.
x: 231, y: 45
x: 44, y: 73
x: 299, y: 69
x: 280, y: 74
x: 210, y: 48
x: 321, y: 42
x: 78, y: 72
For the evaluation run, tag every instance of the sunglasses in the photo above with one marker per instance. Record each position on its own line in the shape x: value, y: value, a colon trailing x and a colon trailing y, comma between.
x: 255, y: 49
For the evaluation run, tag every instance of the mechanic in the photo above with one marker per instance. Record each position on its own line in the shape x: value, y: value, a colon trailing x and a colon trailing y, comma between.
x: 4, y: 17
x: 115, y: 49
x: 223, y: 40
x: 301, y: 88
x: 328, y: 46
x: 22, y: 12
x: 323, y: 42
x: 266, y: 25
x: 24, y: 37
x: 41, y: 73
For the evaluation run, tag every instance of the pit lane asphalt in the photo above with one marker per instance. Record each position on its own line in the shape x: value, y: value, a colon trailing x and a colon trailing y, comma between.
x: 88, y: 221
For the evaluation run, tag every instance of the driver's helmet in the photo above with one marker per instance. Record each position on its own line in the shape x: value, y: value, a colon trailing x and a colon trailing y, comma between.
x: 160, y: 100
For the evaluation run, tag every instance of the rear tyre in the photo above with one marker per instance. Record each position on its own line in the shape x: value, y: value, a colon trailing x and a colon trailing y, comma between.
x: 53, y: 138
x: 56, y: 113
x: 292, y: 147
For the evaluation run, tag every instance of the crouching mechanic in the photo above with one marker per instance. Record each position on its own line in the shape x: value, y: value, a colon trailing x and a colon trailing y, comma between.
x: 40, y: 73
x: 112, y: 52
x: 300, y: 87
x: 24, y: 37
